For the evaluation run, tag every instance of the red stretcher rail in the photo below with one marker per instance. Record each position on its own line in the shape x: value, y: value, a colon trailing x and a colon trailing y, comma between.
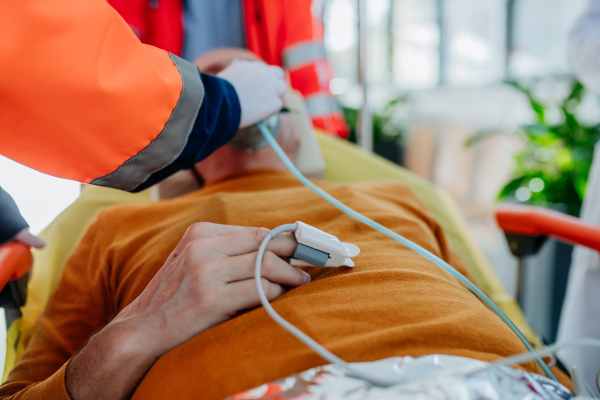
x: 15, y: 261
x: 538, y: 221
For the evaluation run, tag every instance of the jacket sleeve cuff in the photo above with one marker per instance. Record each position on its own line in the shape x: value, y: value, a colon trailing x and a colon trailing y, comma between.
x: 11, y: 221
x: 217, y: 122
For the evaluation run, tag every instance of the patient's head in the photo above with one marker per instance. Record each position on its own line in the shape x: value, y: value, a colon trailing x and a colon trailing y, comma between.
x: 227, y: 160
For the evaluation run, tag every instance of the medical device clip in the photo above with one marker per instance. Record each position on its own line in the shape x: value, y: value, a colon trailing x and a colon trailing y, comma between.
x: 320, y: 249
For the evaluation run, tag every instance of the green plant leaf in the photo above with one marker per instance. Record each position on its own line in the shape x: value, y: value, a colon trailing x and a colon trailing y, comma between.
x: 579, y: 183
x: 511, y: 187
x: 536, y: 106
x: 574, y: 98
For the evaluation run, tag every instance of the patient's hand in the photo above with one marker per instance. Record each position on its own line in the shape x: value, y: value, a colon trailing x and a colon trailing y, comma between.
x: 205, y: 281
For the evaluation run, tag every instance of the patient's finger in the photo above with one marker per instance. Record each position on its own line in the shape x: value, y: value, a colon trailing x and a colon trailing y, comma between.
x: 249, y: 240
x: 244, y: 294
x: 273, y: 268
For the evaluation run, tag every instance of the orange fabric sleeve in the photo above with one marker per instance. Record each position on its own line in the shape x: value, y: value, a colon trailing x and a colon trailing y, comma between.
x: 80, y: 95
x: 53, y: 388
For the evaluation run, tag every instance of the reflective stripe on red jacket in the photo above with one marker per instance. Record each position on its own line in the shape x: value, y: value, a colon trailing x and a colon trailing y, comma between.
x: 282, y: 32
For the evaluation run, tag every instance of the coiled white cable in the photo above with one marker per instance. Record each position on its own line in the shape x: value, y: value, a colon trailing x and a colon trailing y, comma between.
x: 303, y: 337
x: 357, y: 371
x: 430, y: 256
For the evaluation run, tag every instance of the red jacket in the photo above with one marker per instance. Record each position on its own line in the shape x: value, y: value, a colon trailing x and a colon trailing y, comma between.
x: 282, y: 32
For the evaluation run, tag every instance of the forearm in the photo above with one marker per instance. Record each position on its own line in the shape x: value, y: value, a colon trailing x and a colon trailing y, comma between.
x: 112, y: 363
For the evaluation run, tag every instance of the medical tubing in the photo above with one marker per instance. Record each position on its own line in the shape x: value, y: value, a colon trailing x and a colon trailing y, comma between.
x: 524, y: 357
x: 303, y: 337
x: 430, y: 256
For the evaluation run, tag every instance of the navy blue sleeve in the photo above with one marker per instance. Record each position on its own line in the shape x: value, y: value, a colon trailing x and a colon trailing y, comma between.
x: 11, y: 221
x: 217, y: 122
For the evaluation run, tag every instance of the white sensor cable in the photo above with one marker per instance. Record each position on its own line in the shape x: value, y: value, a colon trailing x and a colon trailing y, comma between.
x: 524, y: 357
x: 303, y: 337
x: 402, y: 240
x: 357, y: 371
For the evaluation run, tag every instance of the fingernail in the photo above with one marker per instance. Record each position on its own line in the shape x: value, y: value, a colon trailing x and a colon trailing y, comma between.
x: 306, y: 276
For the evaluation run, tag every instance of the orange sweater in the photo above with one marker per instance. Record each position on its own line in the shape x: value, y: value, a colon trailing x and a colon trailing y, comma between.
x: 393, y: 303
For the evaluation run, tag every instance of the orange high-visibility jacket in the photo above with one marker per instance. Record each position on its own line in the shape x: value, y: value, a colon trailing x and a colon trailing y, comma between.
x: 282, y: 32
x: 81, y: 98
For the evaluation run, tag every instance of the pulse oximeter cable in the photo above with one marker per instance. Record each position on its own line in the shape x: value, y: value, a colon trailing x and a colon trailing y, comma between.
x: 369, y: 222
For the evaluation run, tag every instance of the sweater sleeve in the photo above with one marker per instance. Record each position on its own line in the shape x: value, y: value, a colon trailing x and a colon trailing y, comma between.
x: 78, y: 307
x: 11, y: 221
x: 83, y: 99
x: 53, y: 388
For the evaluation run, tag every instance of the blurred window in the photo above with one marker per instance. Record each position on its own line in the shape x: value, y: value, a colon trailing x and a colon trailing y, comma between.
x: 379, y: 49
x: 540, y: 36
x: 341, y: 41
x: 474, y: 37
x: 416, y: 44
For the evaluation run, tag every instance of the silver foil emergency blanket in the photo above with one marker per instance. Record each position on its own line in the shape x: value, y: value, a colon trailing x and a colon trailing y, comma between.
x: 435, y: 377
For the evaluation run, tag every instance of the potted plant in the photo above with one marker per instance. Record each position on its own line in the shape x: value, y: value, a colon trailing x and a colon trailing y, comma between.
x: 553, y: 167
x: 388, y: 130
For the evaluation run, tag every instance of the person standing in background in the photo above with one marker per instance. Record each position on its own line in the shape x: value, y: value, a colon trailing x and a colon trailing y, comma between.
x: 581, y: 309
x: 284, y: 33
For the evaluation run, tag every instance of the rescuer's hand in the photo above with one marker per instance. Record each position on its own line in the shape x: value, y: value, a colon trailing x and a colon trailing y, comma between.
x: 25, y: 237
x: 205, y: 281
x: 260, y: 88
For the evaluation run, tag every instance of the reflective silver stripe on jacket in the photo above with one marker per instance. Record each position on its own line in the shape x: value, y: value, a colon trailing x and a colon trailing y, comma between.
x: 321, y: 104
x: 170, y: 142
x: 303, y: 53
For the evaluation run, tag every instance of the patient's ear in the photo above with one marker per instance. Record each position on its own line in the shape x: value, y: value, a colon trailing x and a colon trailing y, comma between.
x: 180, y: 183
x: 288, y: 137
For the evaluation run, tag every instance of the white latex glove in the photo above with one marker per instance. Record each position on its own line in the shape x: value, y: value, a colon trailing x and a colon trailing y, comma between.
x: 25, y: 237
x: 260, y: 88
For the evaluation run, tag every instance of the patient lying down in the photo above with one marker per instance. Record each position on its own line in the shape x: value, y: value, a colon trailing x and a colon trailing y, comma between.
x: 150, y: 304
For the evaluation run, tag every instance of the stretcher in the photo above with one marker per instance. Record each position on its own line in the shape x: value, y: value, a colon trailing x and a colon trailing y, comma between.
x: 527, y: 228
x: 63, y: 233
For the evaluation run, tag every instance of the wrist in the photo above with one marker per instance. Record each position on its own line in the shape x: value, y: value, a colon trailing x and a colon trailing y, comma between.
x: 112, y: 363
x: 130, y: 342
